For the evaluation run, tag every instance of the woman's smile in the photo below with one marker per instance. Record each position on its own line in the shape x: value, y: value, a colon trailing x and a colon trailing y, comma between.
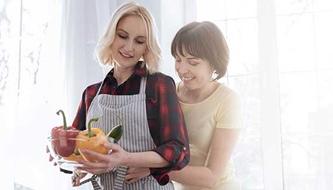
x: 126, y: 54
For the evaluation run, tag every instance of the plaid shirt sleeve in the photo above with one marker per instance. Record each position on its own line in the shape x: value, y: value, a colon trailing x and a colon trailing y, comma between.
x: 80, y: 118
x: 87, y: 97
x: 170, y: 134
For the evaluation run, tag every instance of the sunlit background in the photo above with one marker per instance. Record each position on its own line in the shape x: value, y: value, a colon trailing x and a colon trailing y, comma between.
x: 281, y: 65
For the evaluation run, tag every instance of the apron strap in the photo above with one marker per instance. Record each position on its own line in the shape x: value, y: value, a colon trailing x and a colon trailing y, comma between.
x: 143, y: 85
x: 100, y: 87
x: 95, y: 184
x: 120, y: 178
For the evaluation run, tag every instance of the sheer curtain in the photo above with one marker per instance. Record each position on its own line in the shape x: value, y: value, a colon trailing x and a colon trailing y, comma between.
x: 46, y: 60
x: 281, y: 66
x: 29, y: 68
x: 83, y: 23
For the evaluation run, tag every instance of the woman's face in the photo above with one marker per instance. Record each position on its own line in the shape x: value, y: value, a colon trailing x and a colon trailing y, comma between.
x: 129, y: 44
x: 194, y: 72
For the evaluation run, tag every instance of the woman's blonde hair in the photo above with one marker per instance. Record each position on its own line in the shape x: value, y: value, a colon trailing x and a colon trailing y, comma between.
x: 153, y: 53
x: 205, y: 41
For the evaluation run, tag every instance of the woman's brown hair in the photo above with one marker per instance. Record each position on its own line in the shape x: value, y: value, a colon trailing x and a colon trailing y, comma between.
x: 203, y: 40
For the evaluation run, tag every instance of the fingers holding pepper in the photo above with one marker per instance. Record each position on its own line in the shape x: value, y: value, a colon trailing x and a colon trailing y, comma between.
x: 100, y: 164
x: 77, y: 176
x: 104, y: 162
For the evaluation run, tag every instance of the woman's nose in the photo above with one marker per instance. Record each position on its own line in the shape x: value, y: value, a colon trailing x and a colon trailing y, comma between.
x: 129, y: 45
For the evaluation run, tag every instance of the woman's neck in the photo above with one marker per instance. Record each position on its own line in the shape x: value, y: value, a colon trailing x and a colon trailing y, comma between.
x: 196, y: 95
x: 122, y: 74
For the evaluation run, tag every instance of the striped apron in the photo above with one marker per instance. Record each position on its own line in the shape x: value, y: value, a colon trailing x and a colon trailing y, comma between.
x: 129, y: 111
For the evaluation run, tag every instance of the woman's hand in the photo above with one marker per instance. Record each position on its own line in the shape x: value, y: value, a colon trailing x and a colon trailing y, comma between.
x: 104, y: 163
x: 77, y: 176
x: 134, y: 174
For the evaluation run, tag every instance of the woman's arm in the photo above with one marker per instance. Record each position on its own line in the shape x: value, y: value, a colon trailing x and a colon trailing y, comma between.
x: 119, y: 157
x: 169, y: 133
x: 222, y: 145
x: 223, y: 141
x: 148, y: 159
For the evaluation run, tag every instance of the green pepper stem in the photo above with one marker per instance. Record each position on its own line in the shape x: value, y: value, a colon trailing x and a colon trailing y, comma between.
x: 89, y: 126
x: 63, y: 118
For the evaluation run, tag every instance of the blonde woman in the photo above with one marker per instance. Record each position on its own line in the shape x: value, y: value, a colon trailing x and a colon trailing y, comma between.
x: 211, y: 109
x: 144, y: 100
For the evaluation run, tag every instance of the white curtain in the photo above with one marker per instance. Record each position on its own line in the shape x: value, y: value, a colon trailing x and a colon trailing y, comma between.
x: 46, y: 60
x: 84, y: 22
x: 281, y: 66
x: 32, y: 90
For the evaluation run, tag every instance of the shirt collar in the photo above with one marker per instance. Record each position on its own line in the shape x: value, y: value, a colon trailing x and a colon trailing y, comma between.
x: 140, y: 69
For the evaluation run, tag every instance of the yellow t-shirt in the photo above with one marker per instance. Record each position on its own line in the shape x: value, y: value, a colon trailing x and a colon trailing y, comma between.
x: 220, y: 110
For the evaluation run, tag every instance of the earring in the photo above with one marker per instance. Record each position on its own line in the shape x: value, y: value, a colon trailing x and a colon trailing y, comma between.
x: 214, y: 75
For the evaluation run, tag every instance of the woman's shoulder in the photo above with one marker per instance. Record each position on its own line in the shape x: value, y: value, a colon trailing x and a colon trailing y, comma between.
x: 226, y: 97
x: 225, y: 92
x: 92, y: 89
x: 94, y: 86
x: 160, y: 84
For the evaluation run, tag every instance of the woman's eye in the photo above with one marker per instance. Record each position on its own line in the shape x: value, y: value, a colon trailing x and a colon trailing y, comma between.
x: 140, y: 42
x: 194, y: 63
x: 122, y: 36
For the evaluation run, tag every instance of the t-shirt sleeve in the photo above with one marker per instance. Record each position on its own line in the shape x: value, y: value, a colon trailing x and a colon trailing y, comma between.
x: 229, y: 112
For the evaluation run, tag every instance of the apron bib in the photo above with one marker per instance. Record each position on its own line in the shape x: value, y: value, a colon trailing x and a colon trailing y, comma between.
x: 130, y: 112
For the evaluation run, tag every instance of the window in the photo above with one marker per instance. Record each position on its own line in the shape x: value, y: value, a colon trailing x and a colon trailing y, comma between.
x: 28, y: 66
x: 281, y: 67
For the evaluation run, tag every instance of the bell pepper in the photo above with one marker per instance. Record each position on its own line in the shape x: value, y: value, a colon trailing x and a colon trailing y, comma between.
x: 92, y: 139
x: 63, y: 138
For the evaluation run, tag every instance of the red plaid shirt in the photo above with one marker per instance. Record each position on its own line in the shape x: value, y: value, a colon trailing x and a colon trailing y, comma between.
x: 165, y: 118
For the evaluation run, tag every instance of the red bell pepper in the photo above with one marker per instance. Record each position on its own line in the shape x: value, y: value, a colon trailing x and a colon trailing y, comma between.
x: 63, y: 138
